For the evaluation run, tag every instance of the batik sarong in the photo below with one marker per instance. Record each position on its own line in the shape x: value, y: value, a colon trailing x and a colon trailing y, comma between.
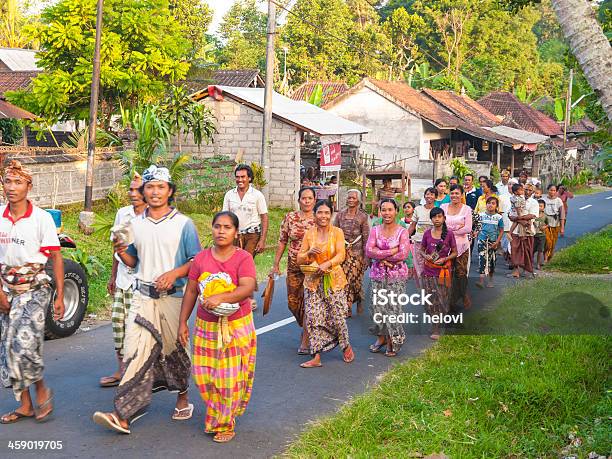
x: 22, y: 333
x: 325, y: 319
x: 154, y: 359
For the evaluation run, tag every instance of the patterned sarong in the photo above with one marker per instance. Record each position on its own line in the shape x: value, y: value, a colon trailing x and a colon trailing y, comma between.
x: 394, y: 330
x: 154, y: 359
x: 354, y: 266
x: 552, y: 234
x: 122, y: 300
x: 22, y: 333
x: 295, y: 291
x: 325, y: 319
x: 224, y: 376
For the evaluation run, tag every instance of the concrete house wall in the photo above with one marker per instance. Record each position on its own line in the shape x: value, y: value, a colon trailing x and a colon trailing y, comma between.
x: 394, y: 132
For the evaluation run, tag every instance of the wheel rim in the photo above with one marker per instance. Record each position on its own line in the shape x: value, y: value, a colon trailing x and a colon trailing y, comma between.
x: 71, y: 299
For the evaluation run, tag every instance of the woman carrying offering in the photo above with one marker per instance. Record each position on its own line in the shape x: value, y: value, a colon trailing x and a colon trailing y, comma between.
x: 325, y: 303
x: 459, y: 221
x: 439, y: 249
x: 222, y: 280
x: 555, y: 211
x: 388, y: 246
x: 354, y: 223
x: 293, y: 228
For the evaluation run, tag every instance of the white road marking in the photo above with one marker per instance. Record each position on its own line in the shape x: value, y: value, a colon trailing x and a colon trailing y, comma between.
x: 274, y: 326
x: 586, y: 207
x: 609, y: 197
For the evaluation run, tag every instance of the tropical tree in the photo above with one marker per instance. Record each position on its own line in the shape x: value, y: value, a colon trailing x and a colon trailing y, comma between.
x: 12, y: 23
x: 195, y: 16
x: 243, y: 31
x: 403, y: 30
x: 143, y: 49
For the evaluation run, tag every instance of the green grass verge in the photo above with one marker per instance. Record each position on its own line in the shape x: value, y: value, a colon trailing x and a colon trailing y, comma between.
x: 592, y: 253
x: 492, y: 396
x: 477, y: 397
x: 585, y: 189
x: 99, y: 245
x: 561, y: 304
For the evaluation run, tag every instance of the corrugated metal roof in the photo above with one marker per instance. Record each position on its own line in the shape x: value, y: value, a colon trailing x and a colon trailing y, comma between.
x: 303, y: 115
x: 528, y: 118
x: 331, y: 90
x: 13, y: 81
x: 519, y: 134
x: 10, y: 111
x: 19, y: 60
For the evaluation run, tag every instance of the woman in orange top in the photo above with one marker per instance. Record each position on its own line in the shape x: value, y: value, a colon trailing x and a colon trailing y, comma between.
x: 325, y: 302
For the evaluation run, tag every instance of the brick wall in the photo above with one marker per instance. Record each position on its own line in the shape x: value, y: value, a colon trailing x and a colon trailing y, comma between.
x: 239, y: 128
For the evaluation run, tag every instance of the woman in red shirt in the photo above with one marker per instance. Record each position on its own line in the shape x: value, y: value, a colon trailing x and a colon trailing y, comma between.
x: 224, y: 347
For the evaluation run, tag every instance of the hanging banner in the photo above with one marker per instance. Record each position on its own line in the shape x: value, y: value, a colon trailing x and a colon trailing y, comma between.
x: 331, y: 159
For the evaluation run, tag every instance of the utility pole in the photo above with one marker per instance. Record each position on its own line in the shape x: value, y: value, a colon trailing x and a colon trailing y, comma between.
x: 566, y: 120
x: 267, y: 121
x: 86, y: 218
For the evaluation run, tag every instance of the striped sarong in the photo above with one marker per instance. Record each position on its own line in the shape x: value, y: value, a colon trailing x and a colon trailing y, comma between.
x: 224, y: 376
x: 122, y: 300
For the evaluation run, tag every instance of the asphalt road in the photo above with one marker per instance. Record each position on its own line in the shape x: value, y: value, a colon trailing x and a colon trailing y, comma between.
x: 285, y: 397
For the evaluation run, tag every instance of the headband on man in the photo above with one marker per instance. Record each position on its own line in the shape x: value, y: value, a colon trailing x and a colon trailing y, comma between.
x: 16, y: 168
x: 153, y: 173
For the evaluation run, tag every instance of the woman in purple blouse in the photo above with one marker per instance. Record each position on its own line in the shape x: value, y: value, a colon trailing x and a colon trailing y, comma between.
x: 388, y: 246
x: 439, y: 249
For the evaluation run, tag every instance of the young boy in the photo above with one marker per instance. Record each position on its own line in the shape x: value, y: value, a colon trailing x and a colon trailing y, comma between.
x: 518, y: 207
x: 539, y: 241
x: 489, y: 239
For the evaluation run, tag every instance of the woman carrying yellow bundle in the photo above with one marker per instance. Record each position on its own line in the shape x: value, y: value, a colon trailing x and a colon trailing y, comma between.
x: 222, y: 278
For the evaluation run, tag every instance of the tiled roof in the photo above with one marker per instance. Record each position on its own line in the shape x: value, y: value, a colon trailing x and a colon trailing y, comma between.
x: 416, y: 102
x: 242, y: 78
x: 528, y: 118
x: 10, y: 111
x: 464, y: 107
x: 585, y: 125
x: 331, y: 90
x: 12, y: 81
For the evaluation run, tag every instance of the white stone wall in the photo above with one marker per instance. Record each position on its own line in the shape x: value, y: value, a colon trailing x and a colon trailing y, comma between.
x: 394, y: 132
x: 66, y: 181
x: 239, y: 128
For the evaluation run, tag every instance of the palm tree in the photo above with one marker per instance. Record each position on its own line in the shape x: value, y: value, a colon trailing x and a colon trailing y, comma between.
x: 590, y: 46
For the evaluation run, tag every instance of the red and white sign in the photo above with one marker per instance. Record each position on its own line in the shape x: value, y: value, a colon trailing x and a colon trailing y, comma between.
x: 331, y: 159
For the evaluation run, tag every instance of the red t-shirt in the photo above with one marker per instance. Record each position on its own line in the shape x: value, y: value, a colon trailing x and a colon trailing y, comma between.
x: 239, y: 265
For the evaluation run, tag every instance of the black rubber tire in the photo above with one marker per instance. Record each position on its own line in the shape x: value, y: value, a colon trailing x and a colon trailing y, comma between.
x: 73, y: 272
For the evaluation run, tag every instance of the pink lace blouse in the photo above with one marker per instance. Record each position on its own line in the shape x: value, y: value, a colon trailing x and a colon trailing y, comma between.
x: 379, y: 248
x: 454, y: 222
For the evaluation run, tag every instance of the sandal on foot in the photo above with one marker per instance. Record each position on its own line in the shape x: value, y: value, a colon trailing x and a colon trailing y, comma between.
x: 309, y: 364
x: 13, y: 417
x: 183, y: 414
x: 434, y: 336
x: 348, y: 355
x: 224, y: 437
x: 109, y: 381
x: 110, y: 421
x: 376, y: 347
x: 43, y: 405
x: 479, y: 285
x: 303, y: 351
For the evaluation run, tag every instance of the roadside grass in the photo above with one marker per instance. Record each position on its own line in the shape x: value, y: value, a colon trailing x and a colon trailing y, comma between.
x: 591, y: 253
x: 586, y: 189
x: 99, y: 245
x: 528, y: 376
x: 561, y: 304
x: 478, y: 396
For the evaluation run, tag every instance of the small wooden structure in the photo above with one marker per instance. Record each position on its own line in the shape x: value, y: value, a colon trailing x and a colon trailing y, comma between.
x: 392, y: 174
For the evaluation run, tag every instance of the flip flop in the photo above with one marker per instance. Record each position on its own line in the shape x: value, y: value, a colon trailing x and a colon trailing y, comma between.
x: 224, y: 437
x: 16, y: 417
x: 350, y: 358
x: 177, y: 413
x: 109, y: 381
x: 47, y: 402
x: 310, y: 365
x: 109, y: 421
x: 303, y: 351
x: 435, y: 337
x: 375, y: 348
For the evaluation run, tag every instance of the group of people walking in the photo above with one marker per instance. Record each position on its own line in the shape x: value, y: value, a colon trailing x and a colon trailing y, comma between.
x: 160, y: 274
